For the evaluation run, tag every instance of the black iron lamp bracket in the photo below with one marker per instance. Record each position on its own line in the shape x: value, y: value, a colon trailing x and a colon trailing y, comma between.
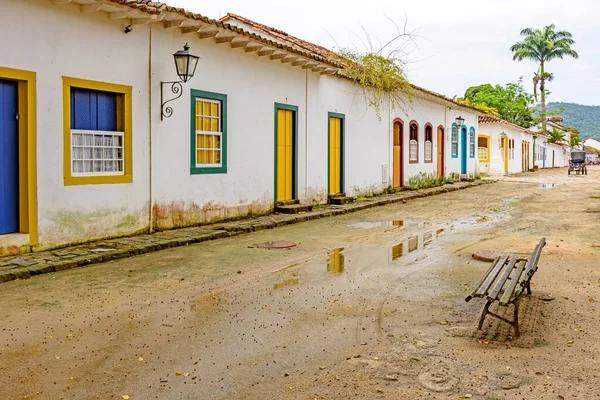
x: 177, y: 90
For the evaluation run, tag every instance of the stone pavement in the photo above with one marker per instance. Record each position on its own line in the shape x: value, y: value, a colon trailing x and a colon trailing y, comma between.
x: 26, y: 265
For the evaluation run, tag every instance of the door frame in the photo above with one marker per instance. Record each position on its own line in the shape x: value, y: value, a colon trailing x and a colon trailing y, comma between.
x: 294, y: 109
x: 464, y: 150
x: 28, y: 218
x: 441, y: 150
x: 342, y: 150
x: 401, y: 161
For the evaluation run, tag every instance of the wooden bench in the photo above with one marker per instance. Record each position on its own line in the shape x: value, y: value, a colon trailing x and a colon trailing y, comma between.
x: 505, y: 282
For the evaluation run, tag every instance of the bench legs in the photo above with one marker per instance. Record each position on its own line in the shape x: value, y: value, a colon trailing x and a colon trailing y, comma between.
x: 514, y: 323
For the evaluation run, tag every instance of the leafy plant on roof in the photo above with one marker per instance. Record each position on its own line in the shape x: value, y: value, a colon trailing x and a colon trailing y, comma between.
x: 543, y: 46
x: 556, y: 136
x: 380, y: 69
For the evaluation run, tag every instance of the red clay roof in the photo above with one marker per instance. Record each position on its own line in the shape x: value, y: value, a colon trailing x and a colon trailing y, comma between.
x: 490, y: 119
x: 281, y: 35
x: 157, y: 8
x: 295, y: 45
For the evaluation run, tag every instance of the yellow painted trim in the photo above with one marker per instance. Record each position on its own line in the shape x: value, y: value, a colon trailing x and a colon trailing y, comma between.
x: 27, y: 130
x: 128, y: 126
x: 489, y: 140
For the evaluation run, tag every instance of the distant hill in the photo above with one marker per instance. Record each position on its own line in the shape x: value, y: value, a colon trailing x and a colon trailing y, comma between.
x: 585, y: 118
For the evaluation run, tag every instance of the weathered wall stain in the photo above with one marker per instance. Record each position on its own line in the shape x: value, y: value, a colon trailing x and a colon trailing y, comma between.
x: 177, y: 214
x: 65, y: 226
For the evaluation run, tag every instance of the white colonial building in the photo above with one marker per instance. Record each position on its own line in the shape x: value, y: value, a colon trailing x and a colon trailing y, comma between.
x: 506, y: 148
x: 101, y: 139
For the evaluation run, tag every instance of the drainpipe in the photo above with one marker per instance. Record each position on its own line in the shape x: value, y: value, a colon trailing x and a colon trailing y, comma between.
x: 306, y: 137
x: 150, y: 216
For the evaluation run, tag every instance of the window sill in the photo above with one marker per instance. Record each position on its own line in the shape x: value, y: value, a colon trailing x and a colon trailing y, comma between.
x: 208, y: 170
x: 98, y: 180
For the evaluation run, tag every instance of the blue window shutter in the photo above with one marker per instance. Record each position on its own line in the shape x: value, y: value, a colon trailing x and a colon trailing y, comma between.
x: 107, y: 111
x: 92, y: 110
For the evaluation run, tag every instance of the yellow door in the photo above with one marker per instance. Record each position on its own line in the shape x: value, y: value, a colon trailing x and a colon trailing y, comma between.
x: 335, y: 155
x: 285, y: 155
x: 505, y: 153
x: 397, y: 175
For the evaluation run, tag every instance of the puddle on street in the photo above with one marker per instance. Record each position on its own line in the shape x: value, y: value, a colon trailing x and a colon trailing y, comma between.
x: 414, y: 243
x: 397, y: 223
x: 335, y: 261
x: 287, y: 282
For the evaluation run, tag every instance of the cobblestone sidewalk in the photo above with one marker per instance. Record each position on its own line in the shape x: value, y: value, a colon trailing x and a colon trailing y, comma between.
x: 27, y: 265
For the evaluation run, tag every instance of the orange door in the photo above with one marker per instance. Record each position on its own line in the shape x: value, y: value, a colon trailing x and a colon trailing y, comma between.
x: 440, y: 143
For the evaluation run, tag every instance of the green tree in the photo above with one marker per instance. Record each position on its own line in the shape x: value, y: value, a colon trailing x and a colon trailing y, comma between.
x: 542, y: 46
x: 556, y: 136
x: 575, y: 138
x: 511, y: 102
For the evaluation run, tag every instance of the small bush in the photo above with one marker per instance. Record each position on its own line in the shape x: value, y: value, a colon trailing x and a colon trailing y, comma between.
x: 423, y: 181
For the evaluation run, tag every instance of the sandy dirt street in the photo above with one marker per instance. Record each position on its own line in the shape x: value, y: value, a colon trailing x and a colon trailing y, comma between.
x: 368, y: 305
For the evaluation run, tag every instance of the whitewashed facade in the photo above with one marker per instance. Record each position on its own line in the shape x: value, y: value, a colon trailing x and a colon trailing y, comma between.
x: 154, y: 180
x: 506, y: 148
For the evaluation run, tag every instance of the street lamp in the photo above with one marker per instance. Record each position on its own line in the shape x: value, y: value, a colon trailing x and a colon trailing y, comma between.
x: 460, y: 121
x: 185, y: 64
x: 502, y: 137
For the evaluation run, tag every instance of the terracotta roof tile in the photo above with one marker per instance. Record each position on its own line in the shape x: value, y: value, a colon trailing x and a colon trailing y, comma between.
x: 154, y: 7
x: 293, y: 44
x: 281, y: 35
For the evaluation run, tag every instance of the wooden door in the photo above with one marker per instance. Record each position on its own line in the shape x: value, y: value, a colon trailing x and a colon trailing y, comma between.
x: 505, y: 153
x: 463, y: 152
x: 398, y: 173
x: 335, y: 155
x: 440, y: 144
x: 285, y: 155
x: 9, y: 157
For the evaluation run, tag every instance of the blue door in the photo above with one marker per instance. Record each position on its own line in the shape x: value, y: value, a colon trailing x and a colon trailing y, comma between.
x: 9, y: 158
x: 463, y: 150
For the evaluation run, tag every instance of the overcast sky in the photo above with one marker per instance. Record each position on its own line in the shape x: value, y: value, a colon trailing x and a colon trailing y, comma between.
x: 463, y: 42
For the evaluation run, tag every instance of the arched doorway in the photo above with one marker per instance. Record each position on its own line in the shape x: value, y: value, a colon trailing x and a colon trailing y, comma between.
x: 398, y: 172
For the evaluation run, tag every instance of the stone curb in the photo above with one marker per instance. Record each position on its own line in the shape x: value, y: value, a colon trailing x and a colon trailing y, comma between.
x: 26, y: 266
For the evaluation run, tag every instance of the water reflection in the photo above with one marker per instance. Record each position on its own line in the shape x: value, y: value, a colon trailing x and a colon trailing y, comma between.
x: 287, y: 282
x: 548, y: 185
x: 413, y: 243
x: 335, y: 261
x: 397, y: 223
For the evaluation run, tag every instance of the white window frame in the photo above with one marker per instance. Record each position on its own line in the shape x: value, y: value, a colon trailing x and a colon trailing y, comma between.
x: 454, y: 141
x: 413, y: 149
x: 428, y: 151
x: 472, y: 144
x: 82, y: 146
x: 211, y: 133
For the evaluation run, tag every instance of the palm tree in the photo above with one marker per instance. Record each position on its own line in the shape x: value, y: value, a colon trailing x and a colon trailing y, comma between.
x: 543, y: 46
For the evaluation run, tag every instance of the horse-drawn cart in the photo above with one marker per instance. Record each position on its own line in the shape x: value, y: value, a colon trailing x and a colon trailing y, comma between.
x: 577, y: 162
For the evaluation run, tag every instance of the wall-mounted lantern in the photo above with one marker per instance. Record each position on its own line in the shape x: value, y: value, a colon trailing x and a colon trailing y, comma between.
x: 460, y: 121
x: 502, y: 137
x: 185, y: 63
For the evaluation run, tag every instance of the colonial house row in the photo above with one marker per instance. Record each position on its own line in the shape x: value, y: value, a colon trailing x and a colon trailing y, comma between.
x: 99, y: 138
x: 506, y: 148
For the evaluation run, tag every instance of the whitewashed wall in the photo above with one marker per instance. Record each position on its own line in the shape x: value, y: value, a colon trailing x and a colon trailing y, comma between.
x: 90, y: 46
x: 62, y: 41
x: 252, y: 84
